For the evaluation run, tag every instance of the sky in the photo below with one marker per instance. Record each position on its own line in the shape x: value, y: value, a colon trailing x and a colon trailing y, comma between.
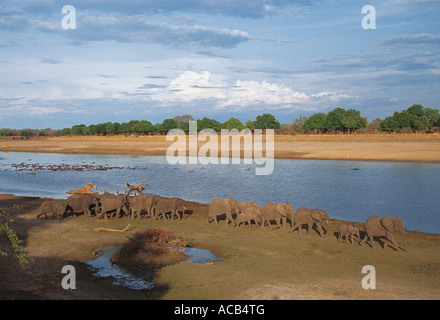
x: 153, y: 60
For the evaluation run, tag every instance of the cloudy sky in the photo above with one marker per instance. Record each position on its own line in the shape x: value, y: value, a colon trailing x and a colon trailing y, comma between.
x: 154, y: 59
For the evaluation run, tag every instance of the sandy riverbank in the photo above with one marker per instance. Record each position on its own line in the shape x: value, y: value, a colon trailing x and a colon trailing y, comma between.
x: 374, y: 147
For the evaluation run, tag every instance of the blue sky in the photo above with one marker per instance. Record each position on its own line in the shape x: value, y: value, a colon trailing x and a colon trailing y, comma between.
x: 153, y: 60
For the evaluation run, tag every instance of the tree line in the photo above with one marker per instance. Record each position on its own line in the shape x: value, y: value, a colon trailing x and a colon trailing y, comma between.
x: 414, y: 119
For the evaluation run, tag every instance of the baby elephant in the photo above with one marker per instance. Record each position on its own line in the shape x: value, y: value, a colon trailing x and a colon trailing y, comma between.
x: 249, y: 214
x: 55, y: 207
x: 348, y: 230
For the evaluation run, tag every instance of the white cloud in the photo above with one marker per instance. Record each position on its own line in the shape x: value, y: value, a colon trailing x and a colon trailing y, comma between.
x: 193, y: 86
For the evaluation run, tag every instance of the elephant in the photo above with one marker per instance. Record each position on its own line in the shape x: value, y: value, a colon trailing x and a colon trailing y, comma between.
x: 218, y: 207
x: 278, y: 212
x: 384, y: 227
x: 81, y: 203
x: 113, y: 205
x: 250, y: 213
x: 136, y: 205
x: 310, y: 217
x: 348, y: 231
x: 242, y: 205
x: 165, y: 205
x: 151, y: 201
x: 56, y: 207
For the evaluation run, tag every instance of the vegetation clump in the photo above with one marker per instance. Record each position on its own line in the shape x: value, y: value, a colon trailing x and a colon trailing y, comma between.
x: 152, y: 242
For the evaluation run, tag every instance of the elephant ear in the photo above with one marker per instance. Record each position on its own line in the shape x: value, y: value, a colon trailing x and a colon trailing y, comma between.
x: 388, y: 223
x: 280, y: 209
x: 316, y: 216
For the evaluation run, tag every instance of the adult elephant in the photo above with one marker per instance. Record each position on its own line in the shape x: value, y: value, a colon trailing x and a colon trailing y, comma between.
x: 80, y: 203
x: 56, y: 207
x: 218, y: 207
x: 113, y: 205
x: 136, y: 205
x: 151, y: 201
x: 384, y: 227
x: 278, y: 212
x: 165, y: 205
x: 310, y: 217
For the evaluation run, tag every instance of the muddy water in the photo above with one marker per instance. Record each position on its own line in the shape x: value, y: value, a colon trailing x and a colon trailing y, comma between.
x: 102, y: 267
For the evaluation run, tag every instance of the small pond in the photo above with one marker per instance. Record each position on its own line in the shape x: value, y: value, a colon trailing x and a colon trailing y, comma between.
x: 103, y: 268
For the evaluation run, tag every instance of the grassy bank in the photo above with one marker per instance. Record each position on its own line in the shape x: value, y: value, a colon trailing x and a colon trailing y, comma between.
x: 257, y: 263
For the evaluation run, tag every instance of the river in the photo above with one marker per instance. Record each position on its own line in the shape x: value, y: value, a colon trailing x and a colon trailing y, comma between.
x: 350, y: 190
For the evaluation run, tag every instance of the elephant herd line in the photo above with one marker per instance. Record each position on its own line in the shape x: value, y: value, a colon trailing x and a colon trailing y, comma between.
x: 108, y: 205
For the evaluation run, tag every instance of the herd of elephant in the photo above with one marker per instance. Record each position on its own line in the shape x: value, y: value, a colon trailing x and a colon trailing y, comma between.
x: 109, y: 205
x: 248, y: 212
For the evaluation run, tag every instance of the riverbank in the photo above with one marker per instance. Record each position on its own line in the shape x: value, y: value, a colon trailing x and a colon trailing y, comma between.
x: 368, y: 147
x: 257, y: 263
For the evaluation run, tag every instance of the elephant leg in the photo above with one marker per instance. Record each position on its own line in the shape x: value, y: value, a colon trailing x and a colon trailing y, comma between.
x: 390, y: 238
x: 319, y: 227
x: 310, y: 226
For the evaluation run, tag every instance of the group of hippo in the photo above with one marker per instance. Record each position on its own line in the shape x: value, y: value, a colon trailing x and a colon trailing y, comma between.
x: 108, y: 205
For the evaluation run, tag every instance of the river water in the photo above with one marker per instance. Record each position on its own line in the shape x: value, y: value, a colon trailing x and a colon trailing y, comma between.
x: 350, y: 190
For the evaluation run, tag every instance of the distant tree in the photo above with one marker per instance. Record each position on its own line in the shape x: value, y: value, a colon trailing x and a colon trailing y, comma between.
x: 64, y: 132
x: 5, y: 132
x: 183, y: 119
x: 168, y: 124
x: 233, y: 123
x: 92, y: 129
x: 316, y: 122
x: 207, y: 123
x: 266, y: 121
x: 124, y: 128
x: 433, y: 116
x: 250, y: 124
x: 157, y: 128
x: 143, y: 127
x: 374, y: 125
x: 25, y: 133
x: 353, y: 121
x: 77, y: 129
x: 335, y: 119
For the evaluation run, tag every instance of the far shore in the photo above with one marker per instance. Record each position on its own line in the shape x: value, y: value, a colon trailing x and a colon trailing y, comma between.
x: 366, y: 147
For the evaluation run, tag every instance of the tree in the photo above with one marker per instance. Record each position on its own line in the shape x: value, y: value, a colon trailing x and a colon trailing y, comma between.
x: 353, y: 121
x: 233, y: 123
x: 433, y: 116
x: 207, y: 123
x: 78, y: 129
x: 183, y: 119
x: 335, y: 119
x: 266, y: 121
x: 143, y: 126
x: 318, y: 122
x: 250, y: 124
x: 374, y: 125
x: 168, y: 124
